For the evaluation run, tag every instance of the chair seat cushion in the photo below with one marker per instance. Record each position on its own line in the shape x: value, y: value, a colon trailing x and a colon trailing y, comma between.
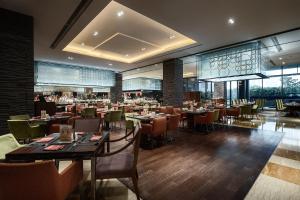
x: 115, y: 166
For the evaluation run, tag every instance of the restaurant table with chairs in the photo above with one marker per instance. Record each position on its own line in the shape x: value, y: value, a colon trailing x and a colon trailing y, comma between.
x: 85, y: 146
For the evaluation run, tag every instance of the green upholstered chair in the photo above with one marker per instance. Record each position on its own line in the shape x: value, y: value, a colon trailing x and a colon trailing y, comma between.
x: 246, y: 110
x: 279, y: 105
x: 8, y: 143
x: 254, y: 110
x: 19, y: 117
x: 22, y: 130
x: 130, y: 123
x: 113, y: 116
x: 89, y: 112
x: 260, y: 103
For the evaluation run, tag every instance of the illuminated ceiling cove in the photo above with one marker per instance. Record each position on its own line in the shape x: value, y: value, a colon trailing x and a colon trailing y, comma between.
x: 121, y: 34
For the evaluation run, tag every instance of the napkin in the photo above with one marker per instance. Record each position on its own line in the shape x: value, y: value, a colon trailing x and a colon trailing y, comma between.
x: 45, y: 139
x: 54, y: 147
x: 95, y: 137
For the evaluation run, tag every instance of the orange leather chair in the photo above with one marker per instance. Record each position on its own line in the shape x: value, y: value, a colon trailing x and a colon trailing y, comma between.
x: 157, y: 129
x: 163, y: 110
x: 38, y: 180
x: 206, y: 120
x: 170, y: 110
x: 173, y: 122
x: 54, y: 128
x: 233, y: 112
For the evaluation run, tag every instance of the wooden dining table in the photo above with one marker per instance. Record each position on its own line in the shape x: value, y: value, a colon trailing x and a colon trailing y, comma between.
x: 82, y: 148
x: 190, y: 114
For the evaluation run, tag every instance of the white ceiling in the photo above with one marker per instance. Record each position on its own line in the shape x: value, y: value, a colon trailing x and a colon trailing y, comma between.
x: 204, y: 21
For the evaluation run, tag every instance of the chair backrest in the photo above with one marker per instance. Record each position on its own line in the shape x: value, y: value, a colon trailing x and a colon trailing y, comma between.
x: 216, y: 115
x: 115, y: 115
x: 210, y: 116
x: 37, y: 180
x: 71, y: 121
x: 87, y: 125
x: 173, y: 122
x: 89, y: 112
x: 159, y: 126
x: 19, y: 117
x: 163, y: 110
x: 177, y: 110
x: 246, y: 109
x: 169, y: 110
x: 8, y: 143
x: 136, y: 145
x: 19, y: 128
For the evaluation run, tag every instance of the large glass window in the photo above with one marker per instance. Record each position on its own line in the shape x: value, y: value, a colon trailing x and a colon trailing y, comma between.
x: 291, y: 87
x: 271, y: 90
x: 234, y: 90
x: 255, y: 86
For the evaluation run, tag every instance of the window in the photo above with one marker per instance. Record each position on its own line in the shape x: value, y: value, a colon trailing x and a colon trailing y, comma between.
x: 291, y: 87
x: 255, y: 86
x: 271, y: 90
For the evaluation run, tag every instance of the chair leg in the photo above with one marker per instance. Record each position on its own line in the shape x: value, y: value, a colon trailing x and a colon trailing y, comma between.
x: 135, y: 184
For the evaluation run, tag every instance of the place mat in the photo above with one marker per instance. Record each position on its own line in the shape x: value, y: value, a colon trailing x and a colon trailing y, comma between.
x: 44, y: 139
x: 95, y: 138
x: 80, y: 133
x: 54, y: 147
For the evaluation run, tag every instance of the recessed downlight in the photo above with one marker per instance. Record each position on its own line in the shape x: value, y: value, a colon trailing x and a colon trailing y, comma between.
x: 280, y: 58
x: 120, y: 13
x: 110, y: 64
x: 95, y: 33
x: 231, y: 21
x: 70, y: 58
x: 143, y: 49
x: 283, y: 63
x: 172, y: 37
x: 126, y: 55
x: 82, y: 44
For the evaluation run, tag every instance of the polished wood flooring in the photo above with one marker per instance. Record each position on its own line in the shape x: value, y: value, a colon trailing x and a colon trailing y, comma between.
x: 221, y: 165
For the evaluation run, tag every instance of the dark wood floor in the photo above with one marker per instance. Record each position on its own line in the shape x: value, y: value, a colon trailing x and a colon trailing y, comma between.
x: 221, y: 165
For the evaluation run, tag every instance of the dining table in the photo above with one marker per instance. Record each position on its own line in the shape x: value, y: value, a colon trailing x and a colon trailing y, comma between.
x: 83, y: 146
x: 48, y: 121
x: 190, y: 114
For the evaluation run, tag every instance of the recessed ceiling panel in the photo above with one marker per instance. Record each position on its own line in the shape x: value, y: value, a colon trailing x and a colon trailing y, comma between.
x: 122, y: 34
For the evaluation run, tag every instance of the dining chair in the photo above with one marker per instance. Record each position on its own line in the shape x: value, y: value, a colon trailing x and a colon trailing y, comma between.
x: 121, y: 163
x: 89, y: 112
x: 112, y: 117
x: 22, y: 130
x: 172, y: 125
x: 71, y: 121
x: 8, y: 143
x: 19, y: 117
x: 38, y: 180
x: 207, y: 120
x: 87, y: 125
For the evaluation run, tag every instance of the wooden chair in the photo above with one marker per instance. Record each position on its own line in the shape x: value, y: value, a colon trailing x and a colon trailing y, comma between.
x: 120, y: 163
x: 38, y: 180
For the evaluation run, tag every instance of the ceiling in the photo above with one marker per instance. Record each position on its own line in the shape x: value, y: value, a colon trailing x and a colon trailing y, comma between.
x: 204, y: 21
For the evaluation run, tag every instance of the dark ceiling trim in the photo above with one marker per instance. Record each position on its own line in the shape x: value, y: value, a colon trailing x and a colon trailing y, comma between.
x: 82, y: 6
x: 217, y: 48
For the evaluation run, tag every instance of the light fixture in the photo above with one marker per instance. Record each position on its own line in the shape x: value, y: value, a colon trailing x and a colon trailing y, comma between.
x: 280, y: 58
x: 82, y: 44
x: 95, y: 33
x: 120, y: 13
x: 143, y: 49
x: 70, y: 58
x: 172, y: 37
x: 126, y: 55
x: 283, y: 63
x: 110, y: 64
x: 231, y: 21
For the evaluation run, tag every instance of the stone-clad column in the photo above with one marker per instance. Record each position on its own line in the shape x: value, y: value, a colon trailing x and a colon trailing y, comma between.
x: 16, y: 66
x: 116, y: 91
x: 173, y: 82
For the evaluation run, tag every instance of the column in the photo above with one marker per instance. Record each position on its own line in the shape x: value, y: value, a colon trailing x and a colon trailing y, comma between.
x: 173, y: 82
x: 17, y: 66
x: 116, y: 90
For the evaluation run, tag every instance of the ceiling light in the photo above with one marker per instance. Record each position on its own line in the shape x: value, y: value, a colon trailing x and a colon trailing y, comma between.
x: 283, y: 63
x: 143, y: 49
x: 126, y: 55
x: 138, y: 69
x: 110, y: 64
x: 70, y: 58
x: 280, y: 58
x: 120, y: 13
x: 172, y: 37
x: 231, y: 20
x: 95, y: 33
x: 82, y: 44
